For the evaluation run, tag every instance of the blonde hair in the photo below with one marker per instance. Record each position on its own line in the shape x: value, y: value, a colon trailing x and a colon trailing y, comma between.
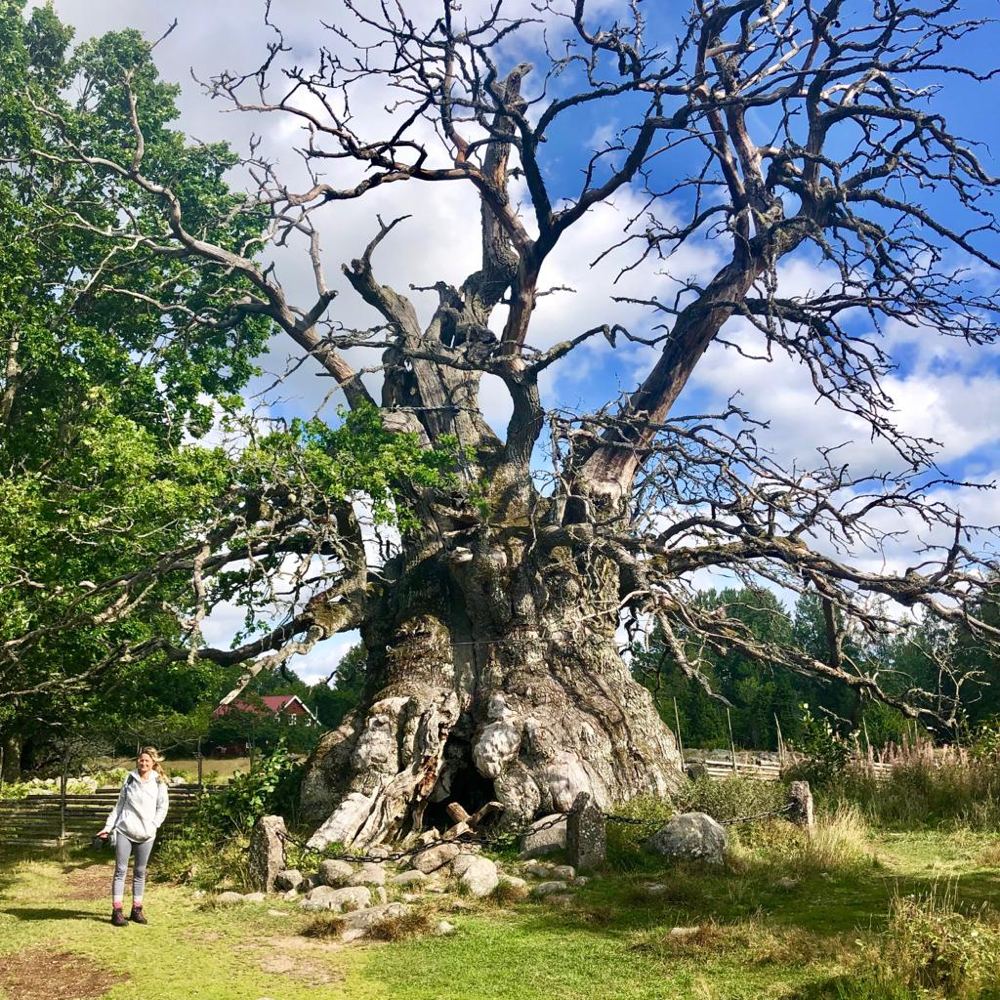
x: 157, y: 761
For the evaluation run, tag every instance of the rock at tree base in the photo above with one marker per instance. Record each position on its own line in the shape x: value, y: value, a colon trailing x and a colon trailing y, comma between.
x: 548, y: 888
x: 436, y: 857
x: 362, y: 920
x: 325, y: 897
x: 586, y: 836
x: 690, y: 837
x: 412, y: 877
x: 478, y: 875
x: 288, y: 879
x: 334, y: 873
x: 543, y: 838
x: 368, y: 874
x: 266, y: 852
x: 800, y: 801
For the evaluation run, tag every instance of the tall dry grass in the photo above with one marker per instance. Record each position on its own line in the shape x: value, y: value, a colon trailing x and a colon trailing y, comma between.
x: 923, y: 786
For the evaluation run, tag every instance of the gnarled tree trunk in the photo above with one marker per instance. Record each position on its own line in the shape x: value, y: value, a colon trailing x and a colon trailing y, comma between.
x: 493, y: 674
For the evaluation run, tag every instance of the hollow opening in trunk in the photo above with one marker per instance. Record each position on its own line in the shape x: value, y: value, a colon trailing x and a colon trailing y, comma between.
x: 467, y: 786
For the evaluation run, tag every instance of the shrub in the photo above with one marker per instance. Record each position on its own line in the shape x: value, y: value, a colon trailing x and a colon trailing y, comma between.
x: 930, y: 947
x: 731, y: 798
x: 324, y: 925
x: 826, y: 753
x: 410, y: 925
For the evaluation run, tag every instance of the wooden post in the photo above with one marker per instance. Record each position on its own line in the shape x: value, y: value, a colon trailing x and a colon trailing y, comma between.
x: 732, y: 744
x: 200, y: 785
x: 1, y: 768
x: 680, y: 739
x: 781, y: 743
x: 62, y: 796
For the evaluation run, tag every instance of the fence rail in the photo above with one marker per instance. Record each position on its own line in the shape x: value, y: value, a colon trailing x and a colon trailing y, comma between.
x: 40, y: 820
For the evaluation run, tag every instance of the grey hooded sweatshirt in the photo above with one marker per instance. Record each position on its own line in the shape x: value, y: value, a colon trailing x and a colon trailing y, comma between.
x: 140, y: 809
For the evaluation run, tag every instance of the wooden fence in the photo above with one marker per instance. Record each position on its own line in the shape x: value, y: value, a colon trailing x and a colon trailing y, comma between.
x: 46, y: 821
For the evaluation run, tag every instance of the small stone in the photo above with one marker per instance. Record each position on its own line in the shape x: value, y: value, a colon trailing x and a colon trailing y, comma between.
x: 655, y: 888
x: 428, y: 837
x: 291, y: 894
x: 254, y: 897
x: 363, y: 919
x: 683, y: 932
x: 410, y: 897
x: 548, y: 888
x: 559, y: 899
x: 564, y: 872
x: 410, y: 878
x: 442, y: 927
x: 198, y: 894
x: 460, y: 906
x: 352, y: 934
x: 379, y: 853
x: 276, y: 913
x: 517, y: 883
x: 368, y: 874
x: 228, y: 898
x: 325, y: 897
x: 289, y: 878
x: 334, y: 873
x: 434, y: 858
x: 539, y: 869
x: 579, y: 882
x: 787, y: 883
x: 544, y: 838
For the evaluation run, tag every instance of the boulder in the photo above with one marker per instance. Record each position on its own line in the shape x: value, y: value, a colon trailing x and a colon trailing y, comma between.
x: 690, y: 837
x: 228, y: 898
x: 682, y: 933
x: 254, y: 897
x: 436, y: 857
x: 288, y: 878
x: 368, y: 874
x: 443, y: 927
x: 544, y: 839
x: 362, y: 920
x: 478, y: 875
x: 410, y: 878
x: 334, y: 872
x: 325, y: 897
x: 564, y: 873
x: 266, y: 853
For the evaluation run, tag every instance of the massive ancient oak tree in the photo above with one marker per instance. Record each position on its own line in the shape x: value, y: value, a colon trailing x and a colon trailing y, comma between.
x: 785, y: 130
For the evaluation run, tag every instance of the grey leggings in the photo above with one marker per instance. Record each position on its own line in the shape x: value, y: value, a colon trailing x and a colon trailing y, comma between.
x: 123, y: 849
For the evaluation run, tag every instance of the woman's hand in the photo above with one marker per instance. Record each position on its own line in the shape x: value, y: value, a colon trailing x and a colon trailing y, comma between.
x: 103, y: 835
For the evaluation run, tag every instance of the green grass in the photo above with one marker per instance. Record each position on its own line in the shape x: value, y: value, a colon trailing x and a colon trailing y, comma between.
x: 759, y: 939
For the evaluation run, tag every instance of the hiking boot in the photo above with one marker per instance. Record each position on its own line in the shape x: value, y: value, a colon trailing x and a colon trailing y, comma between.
x: 137, y: 915
x: 118, y: 918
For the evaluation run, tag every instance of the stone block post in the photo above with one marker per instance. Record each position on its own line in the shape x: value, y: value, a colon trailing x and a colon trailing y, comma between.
x: 267, y: 852
x: 586, y: 837
x: 800, y: 801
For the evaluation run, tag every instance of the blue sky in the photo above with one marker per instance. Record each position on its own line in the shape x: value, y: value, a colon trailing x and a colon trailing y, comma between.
x: 942, y: 388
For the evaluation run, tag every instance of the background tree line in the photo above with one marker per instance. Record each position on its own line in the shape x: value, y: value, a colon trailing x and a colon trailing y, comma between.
x: 762, y: 696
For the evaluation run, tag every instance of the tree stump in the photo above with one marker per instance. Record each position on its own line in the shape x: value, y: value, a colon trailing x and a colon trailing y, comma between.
x: 266, y: 852
x: 586, y: 837
x: 800, y: 803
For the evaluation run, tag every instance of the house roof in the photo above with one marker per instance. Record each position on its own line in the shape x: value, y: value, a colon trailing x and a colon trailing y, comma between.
x: 273, y: 702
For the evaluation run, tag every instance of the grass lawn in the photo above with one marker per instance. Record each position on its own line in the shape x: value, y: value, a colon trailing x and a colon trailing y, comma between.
x: 759, y: 939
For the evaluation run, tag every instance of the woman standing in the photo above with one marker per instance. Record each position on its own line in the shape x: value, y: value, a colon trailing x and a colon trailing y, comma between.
x: 132, y: 826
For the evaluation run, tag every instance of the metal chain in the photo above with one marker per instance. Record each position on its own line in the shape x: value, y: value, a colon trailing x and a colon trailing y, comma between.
x: 359, y: 858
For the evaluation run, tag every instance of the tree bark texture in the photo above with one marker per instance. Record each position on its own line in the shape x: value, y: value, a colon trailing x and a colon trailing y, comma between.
x: 493, y: 674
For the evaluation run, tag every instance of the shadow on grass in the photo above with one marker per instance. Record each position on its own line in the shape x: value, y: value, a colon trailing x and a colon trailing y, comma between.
x: 51, y: 913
